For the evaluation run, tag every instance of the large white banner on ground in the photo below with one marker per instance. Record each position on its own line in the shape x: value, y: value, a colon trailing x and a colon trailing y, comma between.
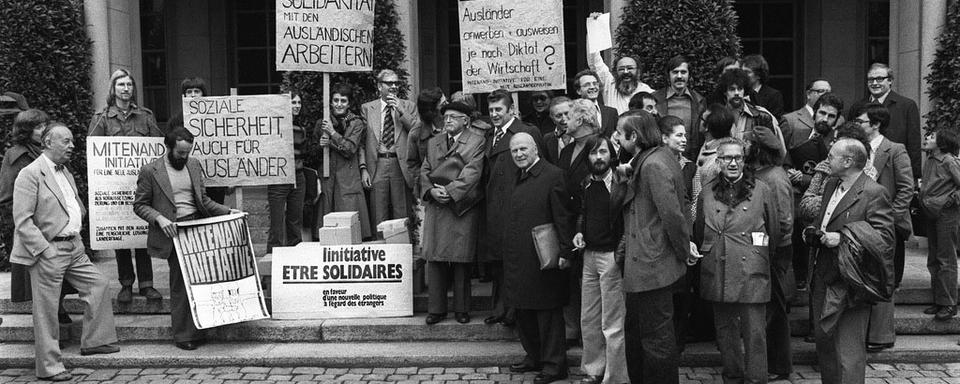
x: 324, y: 36
x: 313, y: 281
x: 242, y: 140
x: 113, y: 164
x: 515, y: 45
x: 220, y: 271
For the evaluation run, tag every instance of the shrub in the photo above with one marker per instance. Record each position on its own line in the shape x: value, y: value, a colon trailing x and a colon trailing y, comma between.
x: 45, y: 56
x: 944, y: 77
x: 656, y: 30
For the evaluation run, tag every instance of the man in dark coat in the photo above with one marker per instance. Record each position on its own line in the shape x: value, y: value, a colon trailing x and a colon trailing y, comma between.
x: 499, y: 176
x: 904, y: 126
x: 554, y: 141
x: 537, y: 197
x: 840, y: 319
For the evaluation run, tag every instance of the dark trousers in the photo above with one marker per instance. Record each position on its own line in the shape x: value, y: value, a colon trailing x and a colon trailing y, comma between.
x: 942, y: 256
x: 181, y: 318
x: 439, y: 274
x: 882, y: 329
x: 125, y: 267
x: 779, y: 354
x: 742, y: 341
x: 840, y: 349
x: 542, y: 337
x: 571, y: 311
x: 801, y: 261
x: 693, y: 316
x: 286, y: 213
x: 651, y: 345
x: 499, y: 306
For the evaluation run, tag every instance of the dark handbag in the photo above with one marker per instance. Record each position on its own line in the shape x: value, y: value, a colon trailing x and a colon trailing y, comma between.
x: 918, y: 217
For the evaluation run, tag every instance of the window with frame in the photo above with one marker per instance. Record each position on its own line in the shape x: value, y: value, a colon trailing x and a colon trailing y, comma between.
x: 153, y: 91
x: 878, y: 32
x: 772, y: 28
x: 253, y: 45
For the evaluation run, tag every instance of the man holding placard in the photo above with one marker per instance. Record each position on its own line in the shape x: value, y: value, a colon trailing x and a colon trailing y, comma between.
x: 124, y: 117
x: 389, y: 120
x: 171, y: 189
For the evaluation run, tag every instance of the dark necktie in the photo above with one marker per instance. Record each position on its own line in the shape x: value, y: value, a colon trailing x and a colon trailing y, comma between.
x: 498, y: 136
x: 387, y: 137
x: 449, y: 142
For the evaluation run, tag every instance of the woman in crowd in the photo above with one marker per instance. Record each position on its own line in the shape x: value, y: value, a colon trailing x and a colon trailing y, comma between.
x: 28, y: 127
x: 343, y: 133
x: 286, y: 200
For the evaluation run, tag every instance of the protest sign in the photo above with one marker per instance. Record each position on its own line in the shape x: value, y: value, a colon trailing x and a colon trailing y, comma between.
x: 220, y: 271
x: 314, y: 281
x: 242, y: 140
x: 324, y: 36
x: 113, y: 164
x: 598, y: 33
x: 515, y: 45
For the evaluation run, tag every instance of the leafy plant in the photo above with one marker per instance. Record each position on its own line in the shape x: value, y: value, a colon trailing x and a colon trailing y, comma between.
x: 944, y: 77
x: 656, y: 30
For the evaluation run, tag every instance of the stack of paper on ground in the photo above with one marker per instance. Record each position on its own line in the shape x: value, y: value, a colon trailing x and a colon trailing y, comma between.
x: 340, y: 228
x: 320, y: 281
x: 394, y: 231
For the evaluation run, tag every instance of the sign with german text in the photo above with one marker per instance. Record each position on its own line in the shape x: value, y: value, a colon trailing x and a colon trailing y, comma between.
x: 314, y: 281
x: 514, y: 45
x: 220, y: 271
x: 242, y: 140
x: 113, y: 164
x: 324, y: 36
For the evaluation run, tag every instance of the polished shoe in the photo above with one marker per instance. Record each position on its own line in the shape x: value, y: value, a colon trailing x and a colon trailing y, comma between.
x: 877, y: 347
x: 463, y: 317
x: 125, y: 295
x: 778, y: 377
x: 64, y: 318
x: 932, y: 310
x: 62, y: 376
x: 946, y: 312
x: 590, y: 379
x: 543, y: 378
x: 493, y: 319
x: 187, y: 345
x: 105, y: 349
x: 434, y: 318
x: 150, y: 293
x: 522, y: 367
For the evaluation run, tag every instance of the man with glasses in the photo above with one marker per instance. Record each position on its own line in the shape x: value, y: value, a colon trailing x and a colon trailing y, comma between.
x: 588, y: 86
x: 617, y: 87
x: 540, y: 116
x: 389, y: 120
x: 904, y: 127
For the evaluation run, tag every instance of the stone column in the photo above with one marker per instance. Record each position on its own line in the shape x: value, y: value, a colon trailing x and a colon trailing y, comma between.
x: 933, y: 15
x: 407, y: 23
x: 96, y: 19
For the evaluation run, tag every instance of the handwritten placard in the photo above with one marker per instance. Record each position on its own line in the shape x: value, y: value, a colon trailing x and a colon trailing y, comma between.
x: 324, y: 36
x: 514, y: 45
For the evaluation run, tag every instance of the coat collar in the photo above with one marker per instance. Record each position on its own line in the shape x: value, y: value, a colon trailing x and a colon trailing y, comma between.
x: 848, y: 200
x: 51, y: 181
x: 883, y: 153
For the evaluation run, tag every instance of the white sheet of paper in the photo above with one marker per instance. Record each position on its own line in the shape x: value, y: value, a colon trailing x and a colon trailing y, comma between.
x: 598, y: 33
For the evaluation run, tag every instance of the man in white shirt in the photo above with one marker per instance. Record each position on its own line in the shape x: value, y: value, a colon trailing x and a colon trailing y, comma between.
x: 620, y: 87
x: 48, y: 216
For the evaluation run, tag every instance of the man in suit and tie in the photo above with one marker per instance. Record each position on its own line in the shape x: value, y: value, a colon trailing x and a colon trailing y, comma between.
x: 678, y: 99
x: 557, y: 139
x: 840, y: 319
x: 588, y: 86
x: 389, y: 120
x: 499, y: 176
x: 170, y: 189
x: 904, y: 126
x: 895, y: 176
x: 48, y: 215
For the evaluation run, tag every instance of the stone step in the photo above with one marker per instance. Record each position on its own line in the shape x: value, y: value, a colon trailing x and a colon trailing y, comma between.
x: 910, y: 320
x: 486, y: 354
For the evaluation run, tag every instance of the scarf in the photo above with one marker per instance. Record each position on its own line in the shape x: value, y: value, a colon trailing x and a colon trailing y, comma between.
x: 733, y: 193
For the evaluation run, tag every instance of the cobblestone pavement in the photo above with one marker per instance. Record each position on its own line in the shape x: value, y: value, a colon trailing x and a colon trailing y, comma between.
x: 876, y: 373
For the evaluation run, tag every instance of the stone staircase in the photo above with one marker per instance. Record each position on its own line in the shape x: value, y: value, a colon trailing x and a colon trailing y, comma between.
x: 144, y: 330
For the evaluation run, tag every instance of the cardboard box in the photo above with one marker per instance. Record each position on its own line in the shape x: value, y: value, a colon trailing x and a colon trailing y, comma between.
x: 349, y: 220
x: 394, y: 231
x: 338, y: 236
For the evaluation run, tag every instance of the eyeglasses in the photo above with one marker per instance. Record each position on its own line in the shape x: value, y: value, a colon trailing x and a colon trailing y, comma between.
x: 626, y: 68
x: 540, y: 98
x: 861, y: 121
x: 820, y: 91
x: 390, y: 83
x: 730, y: 159
x: 878, y: 79
x: 453, y: 117
x: 590, y: 84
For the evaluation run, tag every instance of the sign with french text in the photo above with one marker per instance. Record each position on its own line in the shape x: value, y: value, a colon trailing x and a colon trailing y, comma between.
x: 242, y: 140
x: 220, y: 271
x: 113, y: 165
x: 314, y: 281
x: 324, y: 36
x: 514, y: 45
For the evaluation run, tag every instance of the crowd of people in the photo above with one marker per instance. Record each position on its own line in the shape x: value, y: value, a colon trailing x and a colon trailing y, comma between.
x: 678, y: 217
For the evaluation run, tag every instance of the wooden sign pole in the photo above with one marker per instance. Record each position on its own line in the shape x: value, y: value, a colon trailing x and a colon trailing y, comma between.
x: 326, y: 116
x: 237, y: 191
